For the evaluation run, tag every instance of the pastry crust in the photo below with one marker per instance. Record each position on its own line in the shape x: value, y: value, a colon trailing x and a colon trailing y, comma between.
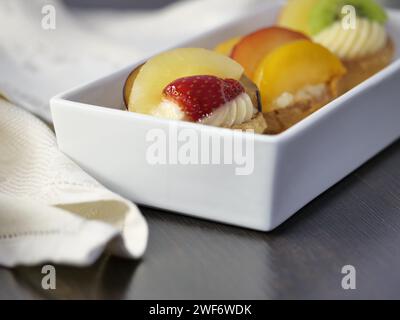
x: 359, y: 70
x: 257, y: 123
x: 282, y: 119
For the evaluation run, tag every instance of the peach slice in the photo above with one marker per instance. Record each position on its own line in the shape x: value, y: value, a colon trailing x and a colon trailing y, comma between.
x: 166, y: 67
x: 251, y: 49
x: 227, y: 46
x: 293, y: 66
x: 296, y: 15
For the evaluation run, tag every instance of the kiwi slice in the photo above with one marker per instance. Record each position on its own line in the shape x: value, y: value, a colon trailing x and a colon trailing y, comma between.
x: 326, y: 12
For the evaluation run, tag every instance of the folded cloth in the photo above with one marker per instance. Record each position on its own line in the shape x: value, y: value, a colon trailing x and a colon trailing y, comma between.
x: 50, y: 210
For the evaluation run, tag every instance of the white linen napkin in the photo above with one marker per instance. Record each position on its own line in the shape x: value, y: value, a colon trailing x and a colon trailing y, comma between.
x: 50, y: 210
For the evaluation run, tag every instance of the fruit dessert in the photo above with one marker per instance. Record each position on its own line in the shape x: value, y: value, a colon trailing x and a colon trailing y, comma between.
x: 196, y: 85
x: 354, y: 30
x: 295, y: 80
x: 294, y: 75
x: 252, y: 48
x: 272, y: 79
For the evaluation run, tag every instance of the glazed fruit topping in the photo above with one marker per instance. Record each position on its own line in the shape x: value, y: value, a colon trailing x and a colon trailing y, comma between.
x: 199, y: 96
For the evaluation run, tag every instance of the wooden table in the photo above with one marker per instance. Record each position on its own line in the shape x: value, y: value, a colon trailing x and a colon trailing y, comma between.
x: 357, y: 222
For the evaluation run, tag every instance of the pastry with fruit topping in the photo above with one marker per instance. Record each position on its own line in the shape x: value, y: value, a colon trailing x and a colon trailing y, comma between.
x: 196, y: 85
x: 363, y: 46
x: 294, y: 75
x: 295, y: 80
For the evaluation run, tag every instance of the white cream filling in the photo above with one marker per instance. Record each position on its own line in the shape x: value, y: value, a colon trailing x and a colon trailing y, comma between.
x: 169, y: 110
x: 309, y: 92
x: 234, y: 112
x: 367, y: 38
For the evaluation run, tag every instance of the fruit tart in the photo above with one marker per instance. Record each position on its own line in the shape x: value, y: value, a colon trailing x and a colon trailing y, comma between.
x: 274, y: 78
x: 295, y: 80
x: 294, y: 75
x: 364, y: 47
x: 196, y: 85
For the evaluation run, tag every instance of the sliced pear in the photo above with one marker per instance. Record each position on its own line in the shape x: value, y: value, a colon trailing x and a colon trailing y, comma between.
x: 296, y: 15
x: 166, y: 67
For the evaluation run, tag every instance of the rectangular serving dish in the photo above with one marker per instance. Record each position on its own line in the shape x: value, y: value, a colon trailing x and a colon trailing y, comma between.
x: 290, y: 169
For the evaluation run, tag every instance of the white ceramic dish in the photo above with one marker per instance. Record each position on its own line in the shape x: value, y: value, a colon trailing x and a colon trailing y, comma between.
x: 290, y: 169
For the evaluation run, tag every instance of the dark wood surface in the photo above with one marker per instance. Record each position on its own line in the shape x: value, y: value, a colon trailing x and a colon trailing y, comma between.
x: 356, y: 222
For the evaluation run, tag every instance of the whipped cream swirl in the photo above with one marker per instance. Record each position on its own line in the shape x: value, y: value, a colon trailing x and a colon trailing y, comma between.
x: 234, y: 112
x: 348, y: 44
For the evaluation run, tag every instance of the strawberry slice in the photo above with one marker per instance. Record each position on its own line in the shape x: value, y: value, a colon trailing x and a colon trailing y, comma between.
x: 199, y: 96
